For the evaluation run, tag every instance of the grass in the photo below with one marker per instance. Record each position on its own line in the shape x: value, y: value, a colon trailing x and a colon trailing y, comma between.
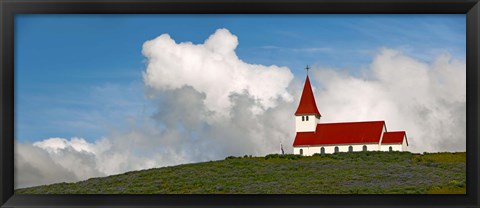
x: 340, y: 173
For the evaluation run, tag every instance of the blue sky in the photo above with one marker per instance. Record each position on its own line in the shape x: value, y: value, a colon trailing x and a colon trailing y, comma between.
x: 81, y: 75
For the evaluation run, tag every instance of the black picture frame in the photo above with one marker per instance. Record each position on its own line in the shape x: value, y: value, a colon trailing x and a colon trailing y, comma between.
x: 9, y: 8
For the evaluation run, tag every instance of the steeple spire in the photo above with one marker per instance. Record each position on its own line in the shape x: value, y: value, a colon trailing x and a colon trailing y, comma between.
x: 307, y: 103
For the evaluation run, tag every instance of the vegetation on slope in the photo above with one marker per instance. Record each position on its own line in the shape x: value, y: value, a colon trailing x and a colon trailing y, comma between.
x: 340, y: 173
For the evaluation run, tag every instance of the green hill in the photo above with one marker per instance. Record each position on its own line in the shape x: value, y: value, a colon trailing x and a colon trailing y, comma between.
x: 340, y: 173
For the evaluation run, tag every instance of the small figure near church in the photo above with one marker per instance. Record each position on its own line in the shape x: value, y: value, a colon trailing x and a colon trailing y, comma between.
x: 315, y: 137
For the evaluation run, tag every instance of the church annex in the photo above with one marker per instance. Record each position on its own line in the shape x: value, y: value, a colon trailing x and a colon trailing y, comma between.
x: 315, y: 137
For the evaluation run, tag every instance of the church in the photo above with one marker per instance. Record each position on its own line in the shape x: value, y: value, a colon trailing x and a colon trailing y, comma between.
x: 312, y: 136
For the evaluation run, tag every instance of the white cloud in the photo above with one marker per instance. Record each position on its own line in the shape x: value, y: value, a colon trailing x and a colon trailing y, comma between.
x: 213, y: 68
x: 54, y: 145
x: 52, y: 163
x: 426, y: 100
x: 33, y: 166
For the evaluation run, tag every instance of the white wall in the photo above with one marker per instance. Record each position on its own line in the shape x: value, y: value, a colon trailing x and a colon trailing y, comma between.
x: 395, y: 147
x: 310, y: 150
x: 384, y: 129
x: 306, y: 126
x: 404, y: 144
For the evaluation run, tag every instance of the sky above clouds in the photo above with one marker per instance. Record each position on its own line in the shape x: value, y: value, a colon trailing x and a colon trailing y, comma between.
x: 103, y: 94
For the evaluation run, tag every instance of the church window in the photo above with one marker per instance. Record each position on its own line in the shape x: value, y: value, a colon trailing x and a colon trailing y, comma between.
x: 303, y: 118
x: 364, y: 147
x: 336, y: 149
x: 390, y: 149
x: 306, y: 118
x: 350, y: 148
x: 322, y: 150
x: 301, y: 151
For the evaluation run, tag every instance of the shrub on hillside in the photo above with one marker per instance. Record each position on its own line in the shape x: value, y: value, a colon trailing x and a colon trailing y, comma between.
x: 286, y: 156
x: 231, y: 157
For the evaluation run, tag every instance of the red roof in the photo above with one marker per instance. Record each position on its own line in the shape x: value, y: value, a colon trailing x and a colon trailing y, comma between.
x: 307, y: 103
x: 342, y: 133
x: 393, y: 137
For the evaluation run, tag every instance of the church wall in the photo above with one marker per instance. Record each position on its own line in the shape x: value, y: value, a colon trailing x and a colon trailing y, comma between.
x: 404, y: 144
x: 306, y: 126
x: 372, y: 147
x: 384, y: 129
x: 356, y: 148
x: 395, y: 147
x: 308, y: 151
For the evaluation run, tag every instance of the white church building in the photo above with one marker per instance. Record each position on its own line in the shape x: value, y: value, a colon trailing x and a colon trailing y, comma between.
x: 312, y: 136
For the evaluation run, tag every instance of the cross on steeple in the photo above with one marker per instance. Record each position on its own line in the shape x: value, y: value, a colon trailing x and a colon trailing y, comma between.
x: 307, y: 68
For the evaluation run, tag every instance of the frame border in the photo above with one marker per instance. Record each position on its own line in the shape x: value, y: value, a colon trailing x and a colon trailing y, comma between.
x: 9, y: 8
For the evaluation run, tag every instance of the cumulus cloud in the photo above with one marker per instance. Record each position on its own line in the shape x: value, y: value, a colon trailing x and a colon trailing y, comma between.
x: 178, y: 133
x: 50, y: 162
x: 428, y: 100
x: 209, y: 104
x: 214, y: 69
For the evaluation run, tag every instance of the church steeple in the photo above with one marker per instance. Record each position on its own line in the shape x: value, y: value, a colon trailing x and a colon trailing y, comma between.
x: 307, y: 103
x: 307, y: 115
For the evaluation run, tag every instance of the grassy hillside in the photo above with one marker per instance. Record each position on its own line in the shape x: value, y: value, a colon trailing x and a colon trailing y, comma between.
x: 341, y: 173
